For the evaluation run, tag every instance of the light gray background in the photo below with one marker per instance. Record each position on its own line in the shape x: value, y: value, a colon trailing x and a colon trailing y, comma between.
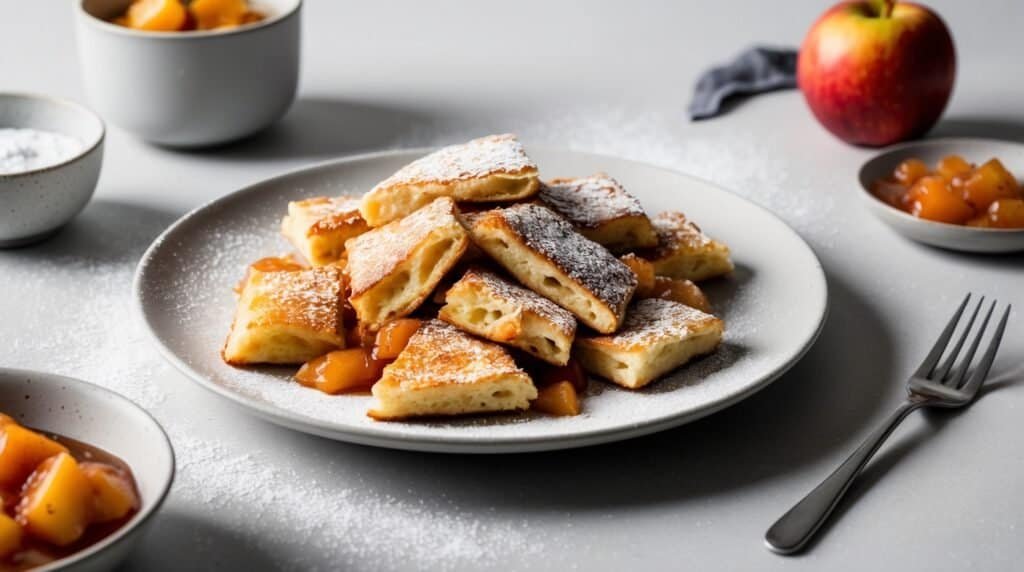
x: 613, y: 78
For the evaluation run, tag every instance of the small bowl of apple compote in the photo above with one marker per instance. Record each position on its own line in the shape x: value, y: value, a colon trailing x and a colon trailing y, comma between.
x: 82, y: 470
x: 959, y: 194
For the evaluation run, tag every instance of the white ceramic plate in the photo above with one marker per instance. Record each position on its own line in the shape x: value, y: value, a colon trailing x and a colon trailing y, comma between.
x: 943, y: 235
x: 102, y: 418
x: 774, y: 306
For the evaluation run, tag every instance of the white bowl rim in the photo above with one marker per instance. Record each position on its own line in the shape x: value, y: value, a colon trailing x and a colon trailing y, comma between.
x: 52, y: 100
x: 186, y: 34
x: 146, y: 512
x: 911, y: 219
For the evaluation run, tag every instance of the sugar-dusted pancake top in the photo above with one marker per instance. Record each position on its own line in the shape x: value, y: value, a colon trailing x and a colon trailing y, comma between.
x: 329, y: 213
x: 589, y: 202
x: 654, y: 319
x: 441, y: 354
x: 522, y: 297
x: 676, y: 231
x: 491, y: 155
x: 582, y: 259
x: 373, y: 255
x: 311, y: 298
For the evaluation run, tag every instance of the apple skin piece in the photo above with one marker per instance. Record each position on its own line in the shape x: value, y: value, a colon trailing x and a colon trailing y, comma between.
x: 877, y: 72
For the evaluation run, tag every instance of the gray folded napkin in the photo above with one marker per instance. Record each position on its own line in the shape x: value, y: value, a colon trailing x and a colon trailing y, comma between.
x: 756, y: 70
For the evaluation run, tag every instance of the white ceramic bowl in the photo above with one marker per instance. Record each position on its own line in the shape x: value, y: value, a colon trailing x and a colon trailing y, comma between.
x: 943, y: 235
x: 35, y: 204
x: 102, y: 418
x: 189, y: 89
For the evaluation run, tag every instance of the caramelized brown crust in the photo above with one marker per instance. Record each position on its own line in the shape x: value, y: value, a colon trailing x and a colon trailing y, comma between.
x: 656, y: 337
x: 441, y: 354
x: 491, y: 307
x: 287, y: 317
x: 318, y: 227
x: 491, y: 155
x: 652, y: 320
x: 444, y: 371
x: 544, y: 252
x: 600, y: 209
x: 394, y: 268
x: 492, y: 168
x: 684, y: 251
x: 376, y: 254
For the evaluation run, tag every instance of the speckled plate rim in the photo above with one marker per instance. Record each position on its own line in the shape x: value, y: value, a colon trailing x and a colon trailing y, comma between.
x: 462, y: 443
x: 1003, y: 240
x: 97, y: 551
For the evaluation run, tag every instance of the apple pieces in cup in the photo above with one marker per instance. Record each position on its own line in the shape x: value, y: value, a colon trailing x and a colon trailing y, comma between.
x: 955, y: 192
x: 57, y: 496
x: 183, y: 16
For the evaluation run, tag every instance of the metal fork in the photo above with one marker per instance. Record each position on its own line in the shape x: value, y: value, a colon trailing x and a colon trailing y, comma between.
x: 932, y: 385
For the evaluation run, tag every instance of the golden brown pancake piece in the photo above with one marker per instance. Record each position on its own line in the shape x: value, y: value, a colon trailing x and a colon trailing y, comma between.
x: 287, y: 317
x: 545, y: 253
x: 394, y: 268
x: 684, y: 251
x: 601, y: 210
x: 445, y: 371
x: 657, y: 337
x: 492, y: 168
x: 318, y: 227
x: 493, y: 308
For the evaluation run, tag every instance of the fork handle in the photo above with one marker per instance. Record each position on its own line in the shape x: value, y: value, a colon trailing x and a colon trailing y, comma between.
x: 791, y: 532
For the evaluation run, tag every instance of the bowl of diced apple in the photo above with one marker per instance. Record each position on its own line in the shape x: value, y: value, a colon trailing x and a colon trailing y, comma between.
x: 82, y: 472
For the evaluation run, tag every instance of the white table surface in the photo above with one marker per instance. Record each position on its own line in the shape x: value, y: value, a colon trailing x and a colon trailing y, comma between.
x: 944, y: 495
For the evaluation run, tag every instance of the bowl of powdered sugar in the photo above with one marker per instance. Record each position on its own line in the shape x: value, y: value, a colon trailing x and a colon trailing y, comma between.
x: 51, y: 151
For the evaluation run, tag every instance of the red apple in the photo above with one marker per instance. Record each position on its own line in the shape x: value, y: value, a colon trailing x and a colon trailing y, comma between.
x: 877, y: 72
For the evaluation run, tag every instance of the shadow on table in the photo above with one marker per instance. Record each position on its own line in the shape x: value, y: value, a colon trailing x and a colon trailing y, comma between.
x: 970, y: 126
x: 321, y: 128
x: 965, y: 260
x: 105, y: 232
x: 818, y: 409
x: 196, y: 544
x: 1003, y: 379
x: 903, y: 445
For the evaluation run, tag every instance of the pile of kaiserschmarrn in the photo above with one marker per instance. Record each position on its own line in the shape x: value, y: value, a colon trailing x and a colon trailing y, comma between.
x: 464, y: 284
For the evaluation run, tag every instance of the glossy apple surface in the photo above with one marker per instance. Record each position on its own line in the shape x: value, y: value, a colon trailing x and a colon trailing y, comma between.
x: 875, y: 73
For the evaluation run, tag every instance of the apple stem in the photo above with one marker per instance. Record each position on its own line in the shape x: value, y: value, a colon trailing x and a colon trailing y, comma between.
x: 886, y: 9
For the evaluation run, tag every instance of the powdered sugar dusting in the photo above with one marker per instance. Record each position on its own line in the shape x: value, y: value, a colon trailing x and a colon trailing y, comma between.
x: 70, y: 333
x: 322, y: 214
x: 220, y: 243
x: 83, y: 325
x: 308, y: 298
x: 523, y: 298
x: 494, y: 154
x: 349, y: 521
x: 585, y: 261
x: 441, y: 354
x: 375, y: 254
x: 589, y: 202
x: 729, y: 154
x: 652, y: 320
x: 675, y: 231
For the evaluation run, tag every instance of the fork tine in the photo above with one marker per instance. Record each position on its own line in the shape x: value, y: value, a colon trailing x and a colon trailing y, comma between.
x: 947, y: 364
x: 961, y: 371
x: 981, y: 372
x: 940, y: 344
